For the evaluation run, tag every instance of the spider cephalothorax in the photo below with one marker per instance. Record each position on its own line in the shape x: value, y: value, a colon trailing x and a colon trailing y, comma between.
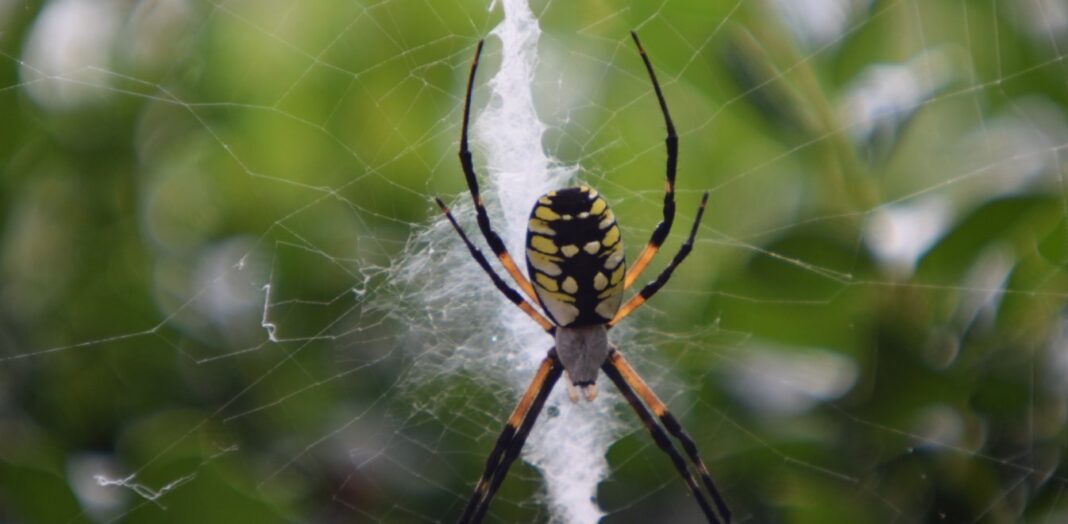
x: 577, y: 275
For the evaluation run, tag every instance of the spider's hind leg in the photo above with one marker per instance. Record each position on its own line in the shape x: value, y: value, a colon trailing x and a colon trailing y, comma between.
x: 635, y: 390
x: 513, y: 436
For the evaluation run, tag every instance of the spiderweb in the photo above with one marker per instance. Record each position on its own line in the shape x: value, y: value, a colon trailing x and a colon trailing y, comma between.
x: 226, y: 294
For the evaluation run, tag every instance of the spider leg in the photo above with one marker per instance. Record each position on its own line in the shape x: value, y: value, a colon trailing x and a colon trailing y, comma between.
x: 520, y: 438
x: 651, y: 288
x: 512, y: 294
x: 628, y: 381
x: 512, y: 437
x: 672, y: 143
x: 492, y: 238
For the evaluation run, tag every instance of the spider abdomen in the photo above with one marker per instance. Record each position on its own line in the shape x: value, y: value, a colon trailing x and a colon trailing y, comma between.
x: 575, y: 257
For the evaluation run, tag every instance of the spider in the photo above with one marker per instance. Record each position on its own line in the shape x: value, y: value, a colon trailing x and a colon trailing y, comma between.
x: 577, y: 275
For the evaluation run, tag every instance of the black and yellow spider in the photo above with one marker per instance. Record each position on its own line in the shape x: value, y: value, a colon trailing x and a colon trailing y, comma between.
x: 577, y: 275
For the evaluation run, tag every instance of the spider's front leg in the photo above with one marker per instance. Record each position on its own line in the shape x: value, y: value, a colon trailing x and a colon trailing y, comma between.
x: 671, y: 142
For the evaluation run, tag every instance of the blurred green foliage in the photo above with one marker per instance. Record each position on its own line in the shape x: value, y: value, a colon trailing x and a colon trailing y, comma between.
x: 148, y: 197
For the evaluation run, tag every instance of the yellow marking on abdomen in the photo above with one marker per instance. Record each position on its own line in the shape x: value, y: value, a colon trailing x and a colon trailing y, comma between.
x: 547, y: 283
x: 615, y: 259
x: 611, y: 236
x: 607, y: 220
x: 544, y: 263
x: 613, y: 290
x: 559, y: 307
x: 570, y: 286
x: 545, y: 213
x: 598, y: 206
x: 600, y: 281
x: 607, y: 308
x: 569, y: 250
x: 541, y: 227
x: 543, y: 244
x: 550, y: 296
